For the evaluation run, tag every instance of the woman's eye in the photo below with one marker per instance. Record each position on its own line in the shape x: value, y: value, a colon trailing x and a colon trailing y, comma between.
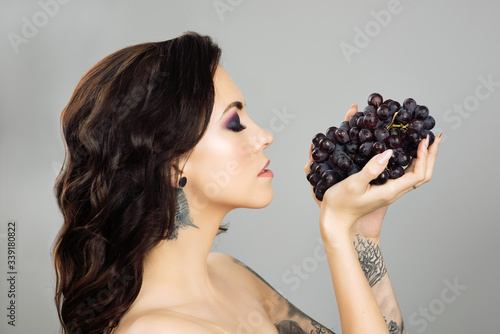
x: 234, y: 124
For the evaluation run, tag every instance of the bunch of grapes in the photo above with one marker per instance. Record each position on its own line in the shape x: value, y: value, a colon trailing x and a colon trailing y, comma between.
x: 344, y: 150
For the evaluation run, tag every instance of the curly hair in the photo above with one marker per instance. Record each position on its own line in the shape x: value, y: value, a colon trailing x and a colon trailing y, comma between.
x: 132, y: 117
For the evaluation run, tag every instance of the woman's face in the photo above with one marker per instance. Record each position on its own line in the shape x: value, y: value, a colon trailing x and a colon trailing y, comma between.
x: 224, y: 169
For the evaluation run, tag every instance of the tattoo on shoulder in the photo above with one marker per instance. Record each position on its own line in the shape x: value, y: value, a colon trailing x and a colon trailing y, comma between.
x: 290, y: 326
x: 371, y: 260
x: 182, y: 218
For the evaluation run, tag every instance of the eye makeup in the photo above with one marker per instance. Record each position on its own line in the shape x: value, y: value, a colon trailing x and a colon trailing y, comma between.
x: 234, y: 123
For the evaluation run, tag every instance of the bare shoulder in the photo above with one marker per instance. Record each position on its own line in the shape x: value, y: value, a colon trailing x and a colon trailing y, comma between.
x: 286, y: 317
x: 228, y: 267
x: 165, y: 323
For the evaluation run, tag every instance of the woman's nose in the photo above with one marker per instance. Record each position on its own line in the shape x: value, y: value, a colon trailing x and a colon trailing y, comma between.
x: 264, y: 139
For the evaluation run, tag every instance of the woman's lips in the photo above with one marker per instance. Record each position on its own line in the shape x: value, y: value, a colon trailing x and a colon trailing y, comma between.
x: 266, y: 172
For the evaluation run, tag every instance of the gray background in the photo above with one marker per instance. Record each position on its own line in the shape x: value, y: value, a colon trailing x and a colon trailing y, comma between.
x: 283, y: 55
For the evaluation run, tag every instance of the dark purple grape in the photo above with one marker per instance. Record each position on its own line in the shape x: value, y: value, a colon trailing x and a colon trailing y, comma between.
x: 396, y: 172
x: 342, y: 135
x: 344, y: 162
x: 329, y: 178
x: 375, y: 99
x: 402, y: 158
x: 316, y: 139
x: 334, y: 158
x: 320, y: 189
x: 366, y: 148
x: 410, y: 104
x: 394, y: 142
x: 365, y: 135
x: 313, y: 178
x: 413, y: 136
x: 353, y: 170
x: 360, y: 122
x: 353, y: 133
x: 378, y: 147
x: 352, y: 120
x: 384, y: 112
x: 360, y: 160
x: 431, y: 136
x: 421, y: 112
x: 429, y: 122
x: 352, y: 147
x: 340, y: 173
x: 326, y: 145
x: 395, y: 132
x: 321, y: 169
x: 380, y: 134
x: 381, y: 179
x: 416, y: 124
x: 344, y: 125
x: 319, y: 155
x: 403, y: 116
x: 330, y: 133
x: 369, y: 109
x: 370, y: 121
x: 412, y: 150
x: 339, y: 148
x: 313, y: 165
x: 394, y: 106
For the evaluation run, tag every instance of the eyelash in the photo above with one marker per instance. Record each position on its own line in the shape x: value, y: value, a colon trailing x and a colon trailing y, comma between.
x: 235, y: 127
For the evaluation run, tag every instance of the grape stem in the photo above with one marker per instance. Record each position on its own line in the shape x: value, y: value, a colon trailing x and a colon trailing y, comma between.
x: 392, y: 125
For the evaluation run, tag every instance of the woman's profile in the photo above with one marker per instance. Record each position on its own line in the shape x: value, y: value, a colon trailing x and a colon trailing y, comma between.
x: 145, y: 131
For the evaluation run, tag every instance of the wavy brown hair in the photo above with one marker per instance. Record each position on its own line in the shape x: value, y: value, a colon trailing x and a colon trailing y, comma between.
x: 132, y: 117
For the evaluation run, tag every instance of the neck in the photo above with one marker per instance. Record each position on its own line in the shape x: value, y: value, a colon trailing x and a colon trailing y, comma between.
x: 179, y: 264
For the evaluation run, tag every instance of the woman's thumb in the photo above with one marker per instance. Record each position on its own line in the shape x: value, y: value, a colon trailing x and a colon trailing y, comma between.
x: 375, y: 166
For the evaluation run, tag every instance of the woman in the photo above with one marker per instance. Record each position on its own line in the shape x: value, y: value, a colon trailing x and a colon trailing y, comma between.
x: 147, y: 131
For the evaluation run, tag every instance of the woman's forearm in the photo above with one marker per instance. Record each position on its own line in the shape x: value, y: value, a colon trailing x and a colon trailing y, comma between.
x: 358, y: 309
x: 375, y: 271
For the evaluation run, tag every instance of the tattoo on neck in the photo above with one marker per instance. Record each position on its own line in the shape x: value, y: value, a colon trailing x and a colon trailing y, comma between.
x: 370, y: 258
x: 182, y: 218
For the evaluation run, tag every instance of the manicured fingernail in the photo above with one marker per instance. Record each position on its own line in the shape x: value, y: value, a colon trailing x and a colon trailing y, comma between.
x: 384, y: 157
x: 427, y: 141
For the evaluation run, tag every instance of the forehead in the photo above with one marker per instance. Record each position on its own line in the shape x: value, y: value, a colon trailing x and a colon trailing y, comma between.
x: 225, y: 90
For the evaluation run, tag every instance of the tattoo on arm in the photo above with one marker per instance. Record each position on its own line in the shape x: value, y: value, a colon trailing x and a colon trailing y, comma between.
x: 393, y: 327
x: 182, y: 218
x: 370, y: 258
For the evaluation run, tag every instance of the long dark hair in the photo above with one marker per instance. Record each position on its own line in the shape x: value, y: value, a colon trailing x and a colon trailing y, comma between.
x: 130, y: 119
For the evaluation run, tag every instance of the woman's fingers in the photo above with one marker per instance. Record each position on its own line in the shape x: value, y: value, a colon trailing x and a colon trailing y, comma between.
x: 352, y: 111
x: 431, y: 159
x: 420, y: 170
x: 307, y: 168
x: 371, y: 170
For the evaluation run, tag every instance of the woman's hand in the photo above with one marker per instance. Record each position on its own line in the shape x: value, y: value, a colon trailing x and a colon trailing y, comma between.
x: 353, y: 198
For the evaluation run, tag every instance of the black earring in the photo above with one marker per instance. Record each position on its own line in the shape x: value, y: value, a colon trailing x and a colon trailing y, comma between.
x: 182, y: 182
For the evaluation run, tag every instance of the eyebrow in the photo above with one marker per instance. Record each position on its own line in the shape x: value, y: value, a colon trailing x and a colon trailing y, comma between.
x: 236, y: 104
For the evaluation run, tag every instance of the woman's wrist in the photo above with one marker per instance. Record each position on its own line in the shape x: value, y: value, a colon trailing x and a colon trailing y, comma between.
x: 335, y: 229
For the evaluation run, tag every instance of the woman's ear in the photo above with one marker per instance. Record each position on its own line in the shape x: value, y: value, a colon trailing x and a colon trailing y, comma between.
x: 176, y: 173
